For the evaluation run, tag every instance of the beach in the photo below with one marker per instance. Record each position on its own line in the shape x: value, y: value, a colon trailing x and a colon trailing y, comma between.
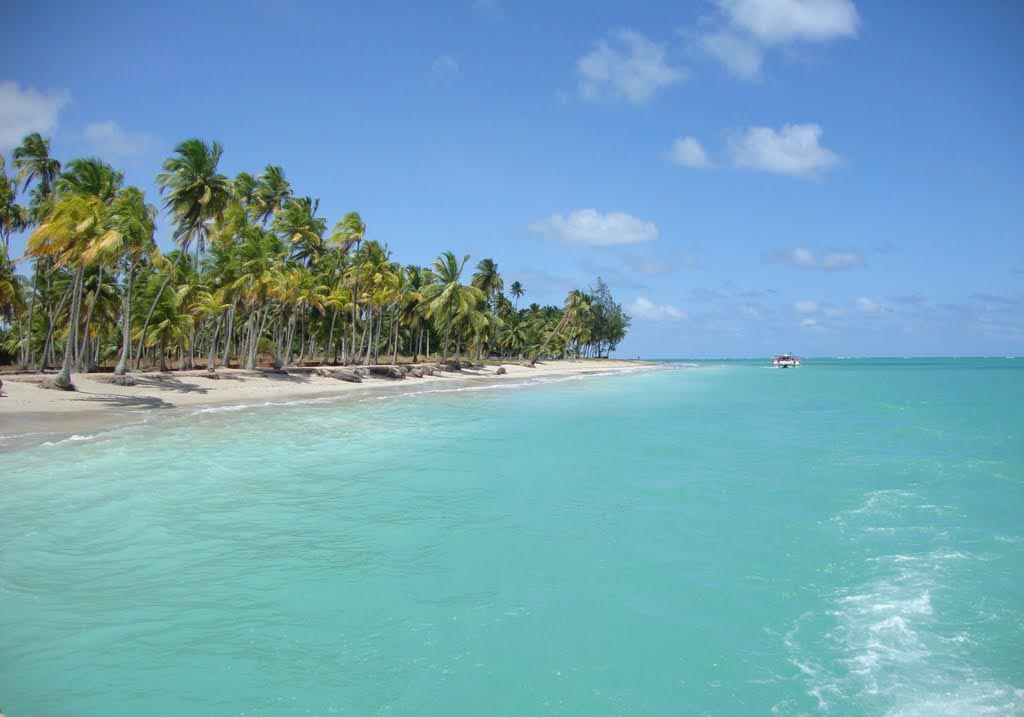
x: 99, y: 404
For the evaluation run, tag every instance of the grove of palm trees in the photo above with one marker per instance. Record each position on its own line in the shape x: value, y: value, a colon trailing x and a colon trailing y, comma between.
x: 256, y: 277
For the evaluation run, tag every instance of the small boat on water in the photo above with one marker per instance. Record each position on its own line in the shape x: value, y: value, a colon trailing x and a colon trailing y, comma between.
x: 785, y: 361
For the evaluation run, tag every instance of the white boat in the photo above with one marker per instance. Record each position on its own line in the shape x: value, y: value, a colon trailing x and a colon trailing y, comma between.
x: 785, y: 361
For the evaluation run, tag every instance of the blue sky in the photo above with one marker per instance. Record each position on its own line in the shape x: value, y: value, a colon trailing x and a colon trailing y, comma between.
x: 750, y: 176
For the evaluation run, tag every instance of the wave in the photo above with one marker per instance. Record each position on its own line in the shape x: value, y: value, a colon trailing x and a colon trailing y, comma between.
x: 884, y: 643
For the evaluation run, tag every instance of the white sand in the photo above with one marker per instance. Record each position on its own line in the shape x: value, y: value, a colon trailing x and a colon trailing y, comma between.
x: 98, y: 404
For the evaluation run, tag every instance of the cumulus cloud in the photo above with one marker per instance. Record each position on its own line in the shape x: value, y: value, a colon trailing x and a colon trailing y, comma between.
x: 590, y: 227
x: 747, y: 28
x: 630, y: 67
x: 794, y: 150
x: 778, y: 22
x: 807, y: 259
x: 646, y: 309
x: 109, y: 139
x: 740, y: 55
x: 27, y: 110
x: 870, y: 306
x: 445, y: 65
x: 688, y: 152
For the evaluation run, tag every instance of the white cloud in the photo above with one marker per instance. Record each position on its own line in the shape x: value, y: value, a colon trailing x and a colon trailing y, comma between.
x: 793, y: 150
x: 445, y: 65
x: 812, y: 325
x: 746, y: 29
x: 688, y: 152
x: 777, y: 22
x: 592, y: 228
x: 741, y: 56
x: 807, y: 259
x: 23, y: 111
x: 634, y: 71
x: 870, y: 306
x: 646, y: 309
x: 109, y: 139
x: 808, y: 306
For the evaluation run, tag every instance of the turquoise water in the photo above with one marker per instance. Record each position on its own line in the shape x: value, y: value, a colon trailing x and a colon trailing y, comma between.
x: 846, y: 538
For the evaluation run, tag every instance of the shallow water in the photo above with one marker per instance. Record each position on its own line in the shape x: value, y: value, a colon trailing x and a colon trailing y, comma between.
x: 843, y: 539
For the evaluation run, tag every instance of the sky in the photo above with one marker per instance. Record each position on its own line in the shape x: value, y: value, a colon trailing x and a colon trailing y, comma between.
x: 750, y: 177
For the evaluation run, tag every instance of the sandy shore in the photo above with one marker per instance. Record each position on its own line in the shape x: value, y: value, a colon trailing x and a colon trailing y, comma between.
x: 28, y: 410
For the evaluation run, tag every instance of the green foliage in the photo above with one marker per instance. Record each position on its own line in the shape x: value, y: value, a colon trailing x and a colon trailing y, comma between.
x: 266, y: 278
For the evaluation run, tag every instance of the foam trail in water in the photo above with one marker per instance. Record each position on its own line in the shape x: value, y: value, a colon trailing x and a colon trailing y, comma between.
x: 889, y: 655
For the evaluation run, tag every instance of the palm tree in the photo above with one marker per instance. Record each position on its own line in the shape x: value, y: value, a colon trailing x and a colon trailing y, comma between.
x: 11, y: 290
x: 134, y: 222
x: 196, y: 194
x: 575, y: 305
x: 89, y: 177
x: 13, y: 216
x: 272, y: 191
x: 298, y: 224
x: 447, y: 297
x: 350, y: 230
x: 72, y: 227
x: 517, y: 291
x: 34, y: 164
x: 487, y: 279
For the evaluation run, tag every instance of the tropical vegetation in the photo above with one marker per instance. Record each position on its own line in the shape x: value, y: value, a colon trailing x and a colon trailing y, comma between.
x: 255, y: 277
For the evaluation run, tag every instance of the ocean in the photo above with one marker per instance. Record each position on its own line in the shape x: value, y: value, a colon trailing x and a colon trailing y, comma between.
x: 705, y: 538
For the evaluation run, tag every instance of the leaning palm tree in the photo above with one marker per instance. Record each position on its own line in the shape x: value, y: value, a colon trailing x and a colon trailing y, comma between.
x: 133, y: 242
x: 575, y: 306
x: 195, y: 194
x: 73, y: 226
x: 447, y: 297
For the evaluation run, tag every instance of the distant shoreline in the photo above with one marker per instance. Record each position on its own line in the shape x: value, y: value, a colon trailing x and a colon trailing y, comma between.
x: 30, y: 415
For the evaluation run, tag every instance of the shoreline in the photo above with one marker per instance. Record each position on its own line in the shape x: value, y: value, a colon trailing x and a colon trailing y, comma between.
x: 31, y: 415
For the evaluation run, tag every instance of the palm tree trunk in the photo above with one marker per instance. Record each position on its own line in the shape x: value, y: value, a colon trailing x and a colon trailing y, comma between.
x: 63, y: 380
x: 88, y: 319
x: 365, y: 339
x: 156, y: 300
x: 211, y: 357
x: 126, y: 327
x: 48, y: 343
x: 544, y: 344
x: 229, y: 314
x: 27, y: 361
x: 330, y: 337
